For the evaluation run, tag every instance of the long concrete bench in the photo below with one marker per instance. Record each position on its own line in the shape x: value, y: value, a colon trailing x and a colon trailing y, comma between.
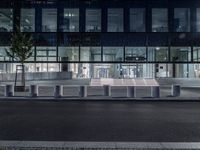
x: 106, y: 84
x: 131, y: 85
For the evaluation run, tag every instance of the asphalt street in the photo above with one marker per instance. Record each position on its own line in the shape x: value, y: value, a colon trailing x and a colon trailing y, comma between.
x: 100, y: 121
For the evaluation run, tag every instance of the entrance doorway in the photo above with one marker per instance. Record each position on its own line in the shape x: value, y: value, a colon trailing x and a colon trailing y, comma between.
x: 101, y: 71
x: 132, y: 70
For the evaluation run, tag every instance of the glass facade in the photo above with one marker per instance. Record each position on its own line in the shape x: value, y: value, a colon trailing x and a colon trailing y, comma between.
x: 49, y: 20
x: 6, y: 20
x: 27, y: 20
x: 68, y: 54
x: 159, y: 54
x: 182, y: 20
x: 93, y: 20
x: 71, y: 20
x: 45, y: 53
x: 115, y: 39
x: 90, y: 53
x: 115, y: 20
x: 159, y: 20
x: 198, y: 19
x: 180, y: 54
x: 113, y: 54
x: 137, y: 20
x: 135, y: 54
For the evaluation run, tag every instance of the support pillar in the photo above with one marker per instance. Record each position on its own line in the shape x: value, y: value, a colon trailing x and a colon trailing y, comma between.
x: 106, y: 90
x: 58, y: 91
x: 9, y: 90
x: 33, y: 91
x: 155, y: 91
x: 131, y: 91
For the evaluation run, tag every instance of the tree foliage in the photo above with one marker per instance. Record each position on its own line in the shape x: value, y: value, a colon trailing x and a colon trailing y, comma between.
x: 21, y: 46
x: 20, y: 50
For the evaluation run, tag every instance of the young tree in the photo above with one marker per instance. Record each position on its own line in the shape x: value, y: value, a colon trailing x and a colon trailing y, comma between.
x: 20, y: 50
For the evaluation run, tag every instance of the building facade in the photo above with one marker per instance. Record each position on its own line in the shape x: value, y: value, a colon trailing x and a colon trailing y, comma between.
x: 106, y: 38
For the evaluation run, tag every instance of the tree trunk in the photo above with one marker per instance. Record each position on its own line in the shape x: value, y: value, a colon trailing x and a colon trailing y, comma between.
x: 23, y: 77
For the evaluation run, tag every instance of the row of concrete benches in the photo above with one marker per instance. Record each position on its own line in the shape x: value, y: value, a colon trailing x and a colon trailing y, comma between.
x: 83, y: 90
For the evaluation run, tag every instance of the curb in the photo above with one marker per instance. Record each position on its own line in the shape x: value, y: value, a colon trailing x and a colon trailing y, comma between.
x: 107, y: 99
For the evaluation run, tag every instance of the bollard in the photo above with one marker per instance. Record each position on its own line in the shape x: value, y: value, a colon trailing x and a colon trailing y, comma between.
x: 176, y: 90
x: 155, y: 91
x: 33, y: 90
x: 9, y: 90
x: 131, y: 91
x: 106, y: 90
x: 83, y: 91
x: 58, y: 91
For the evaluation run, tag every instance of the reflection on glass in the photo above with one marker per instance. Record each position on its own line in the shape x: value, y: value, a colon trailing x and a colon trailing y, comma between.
x: 93, y: 20
x: 196, y: 54
x: 135, y: 54
x: 137, y: 20
x: 47, y: 67
x: 68, y: 53
x: 115, y: 20
x: 6, y: 20
x: 90, y: 53
x: 27, y: 20
x: 182, y: 20
x: 157, y: 53
x: 49, y: 20
x: 3, y: 54
x: 159, y: 20
x: 198, y: 19
x: 71, y: 20
x: 113, y: 53
x: 180, y: 54
x: 45, y: 53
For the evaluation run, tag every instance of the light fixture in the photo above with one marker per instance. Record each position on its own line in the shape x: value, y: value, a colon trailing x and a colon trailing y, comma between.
x: 157, y: 48
x: 66, y: 15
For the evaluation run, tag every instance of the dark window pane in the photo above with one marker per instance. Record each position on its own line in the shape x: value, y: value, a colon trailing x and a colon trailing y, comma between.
x: 6, y: 20
x: 71, y: 20
x: 137, y: 20
x: 182, y: 20
x: 115, y: 20
x: 93, y: 20
x: 198, y: 19
x: 28, y: 20
x: 46, y: 39
x: 159, y: 20
x: 49, y: 20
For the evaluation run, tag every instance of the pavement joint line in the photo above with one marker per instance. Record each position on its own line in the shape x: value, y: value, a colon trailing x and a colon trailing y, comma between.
x: 110, y: 145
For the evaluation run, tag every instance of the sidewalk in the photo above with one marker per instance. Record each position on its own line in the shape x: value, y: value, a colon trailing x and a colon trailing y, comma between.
x: 58, y: 145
